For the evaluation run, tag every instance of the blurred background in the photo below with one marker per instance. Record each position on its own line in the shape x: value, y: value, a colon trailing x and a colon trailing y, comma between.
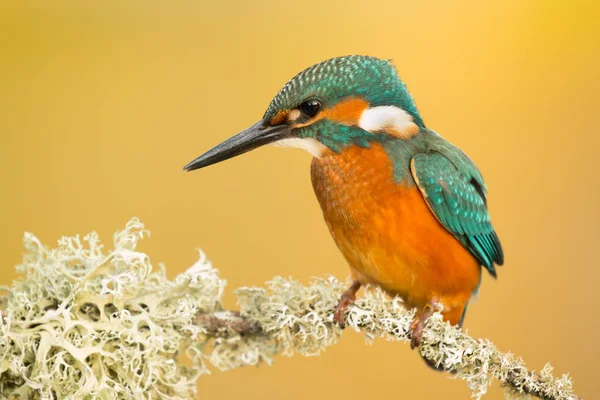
x: 102, y: 103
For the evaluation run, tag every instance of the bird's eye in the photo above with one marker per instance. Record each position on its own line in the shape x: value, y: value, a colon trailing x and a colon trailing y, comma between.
x: 310, y: 108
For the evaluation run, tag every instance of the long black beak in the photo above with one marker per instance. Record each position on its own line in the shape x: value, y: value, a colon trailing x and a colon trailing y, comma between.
x: 249, y: 139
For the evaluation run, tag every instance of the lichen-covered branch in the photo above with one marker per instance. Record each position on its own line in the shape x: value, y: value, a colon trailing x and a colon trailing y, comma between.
x: 85, y: 323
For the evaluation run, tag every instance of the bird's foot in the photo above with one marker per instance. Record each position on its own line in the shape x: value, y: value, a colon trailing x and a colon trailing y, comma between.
x: 416, y: 328
x: 347, y: 299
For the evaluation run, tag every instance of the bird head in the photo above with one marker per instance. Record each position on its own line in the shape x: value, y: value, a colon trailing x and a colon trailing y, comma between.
x: 337, y: 103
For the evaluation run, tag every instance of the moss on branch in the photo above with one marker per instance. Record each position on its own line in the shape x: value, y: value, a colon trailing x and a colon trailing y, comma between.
x: 85, y: 323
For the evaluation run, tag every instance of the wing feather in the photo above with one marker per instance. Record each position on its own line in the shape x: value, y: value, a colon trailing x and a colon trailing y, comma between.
x: 458, y: 202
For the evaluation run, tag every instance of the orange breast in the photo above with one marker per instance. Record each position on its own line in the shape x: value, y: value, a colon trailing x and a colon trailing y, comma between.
x: 387, y: 233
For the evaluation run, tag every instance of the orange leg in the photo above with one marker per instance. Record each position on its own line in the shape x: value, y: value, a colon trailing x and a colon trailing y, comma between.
x: 416, y: 328
x: 347, y: 299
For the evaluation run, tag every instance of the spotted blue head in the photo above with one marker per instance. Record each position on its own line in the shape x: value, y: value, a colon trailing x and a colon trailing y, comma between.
x: 337, y: 103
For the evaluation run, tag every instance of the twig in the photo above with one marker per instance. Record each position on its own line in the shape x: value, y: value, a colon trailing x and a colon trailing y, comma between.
x: 447, y: 347
x: 82, y: 323
x: 535, y: 387
x: 227, y: 322
x: 232, y: 324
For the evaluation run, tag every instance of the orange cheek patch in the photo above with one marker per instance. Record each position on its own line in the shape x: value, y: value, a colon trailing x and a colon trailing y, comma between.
x: 346, y: 112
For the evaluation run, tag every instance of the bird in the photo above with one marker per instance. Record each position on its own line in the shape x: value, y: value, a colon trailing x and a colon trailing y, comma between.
x: 406, y: 208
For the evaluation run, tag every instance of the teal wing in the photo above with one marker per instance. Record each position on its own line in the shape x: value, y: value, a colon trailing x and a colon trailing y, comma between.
x: 456, y: 194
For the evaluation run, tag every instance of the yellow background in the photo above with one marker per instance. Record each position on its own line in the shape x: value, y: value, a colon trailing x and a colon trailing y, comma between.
x: 102, y: 103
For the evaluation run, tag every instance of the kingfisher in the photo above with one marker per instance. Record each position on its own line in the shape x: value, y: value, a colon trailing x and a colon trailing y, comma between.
x: 406, y: 208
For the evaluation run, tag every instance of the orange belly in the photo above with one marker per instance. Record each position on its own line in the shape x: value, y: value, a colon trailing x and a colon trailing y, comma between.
x: 387, y: 233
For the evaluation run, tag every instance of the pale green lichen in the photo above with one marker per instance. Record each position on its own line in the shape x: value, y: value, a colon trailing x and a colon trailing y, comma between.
x: 86, y: 324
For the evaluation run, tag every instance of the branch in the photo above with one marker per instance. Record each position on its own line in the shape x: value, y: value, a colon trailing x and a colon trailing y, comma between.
x: 85, y: 323
x: 449, y: 348
x: 227, y: 322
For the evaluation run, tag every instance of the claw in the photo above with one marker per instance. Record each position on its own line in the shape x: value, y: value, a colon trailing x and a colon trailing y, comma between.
x: 347, y: 299
x: 416, y: 328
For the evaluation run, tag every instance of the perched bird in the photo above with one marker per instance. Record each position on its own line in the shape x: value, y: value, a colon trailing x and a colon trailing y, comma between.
x: 406, y: 208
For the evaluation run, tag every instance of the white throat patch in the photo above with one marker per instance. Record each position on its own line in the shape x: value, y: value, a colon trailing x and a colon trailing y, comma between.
x: 313, y: 146
x: 388, y: 119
